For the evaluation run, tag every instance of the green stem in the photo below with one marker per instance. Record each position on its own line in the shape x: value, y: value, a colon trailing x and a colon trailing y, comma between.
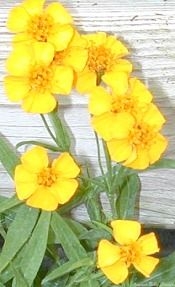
x: 99, y: 154
x: 108, y: 161
x: 48, y: 129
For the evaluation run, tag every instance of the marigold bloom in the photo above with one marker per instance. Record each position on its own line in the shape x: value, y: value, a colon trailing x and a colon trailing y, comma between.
x: 115, y: 259
x: 142, y: 144
x: 33, y: 23
x: 33, y: 79
x: 44, y: 185
x: 114, y: 113
x: 104, y: 63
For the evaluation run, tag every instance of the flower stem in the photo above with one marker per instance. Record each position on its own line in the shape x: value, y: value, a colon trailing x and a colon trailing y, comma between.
x: 48, y: 129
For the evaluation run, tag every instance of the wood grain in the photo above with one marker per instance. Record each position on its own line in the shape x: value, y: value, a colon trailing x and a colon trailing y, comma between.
x: 148, y: 30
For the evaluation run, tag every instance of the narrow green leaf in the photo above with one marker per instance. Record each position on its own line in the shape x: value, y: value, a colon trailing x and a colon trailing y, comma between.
x: 18, y: 233
x: 67, y: 267
x: 8, y: 157
x: 73, y: 249
x: 8, y: 203
x: 45, y: 145
x: 163, y: 163
x: 90, y: 283
x: 19, y: 280
x: 128, y: 188
x: 62, y: 137
x: 35, y: 248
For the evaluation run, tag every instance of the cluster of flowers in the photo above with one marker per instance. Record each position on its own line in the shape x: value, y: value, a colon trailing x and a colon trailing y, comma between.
x: 50, y: 57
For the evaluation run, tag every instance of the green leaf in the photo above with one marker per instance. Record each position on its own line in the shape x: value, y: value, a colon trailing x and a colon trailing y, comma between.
x: 73, y: 249
x: 164, y: 272
x: 67, y: 268
x: 19, y: 280
x: 163, y: 163
x: 45, y: 145
x: 62, y: 137
x: 90, y: 283
x: 8, y: 203
x: 35, y: 248
x: 18, y: 233
x: 128, y: 188
x: 8, y: 157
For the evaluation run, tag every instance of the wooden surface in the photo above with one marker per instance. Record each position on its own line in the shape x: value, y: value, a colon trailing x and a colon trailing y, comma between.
x: 147, y: 27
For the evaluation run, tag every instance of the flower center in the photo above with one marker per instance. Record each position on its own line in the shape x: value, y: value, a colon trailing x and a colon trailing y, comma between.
x: 142, y: 135
x: 129, y: 253
x: 47, y: 177
x: 59, y: 57
x: 121, y: 104
x: 100, y: 59
x: 40, y: 78
x: 40, y: 26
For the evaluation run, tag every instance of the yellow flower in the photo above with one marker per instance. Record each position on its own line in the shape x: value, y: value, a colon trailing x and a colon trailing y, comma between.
x: 33, y: 79
x: 44, y: 185
x: 115, y: 259
x: 74, y: 56
x: 113, y: 113
x: 32, y: 24
x: 104, y: 63
x: 142, y: 144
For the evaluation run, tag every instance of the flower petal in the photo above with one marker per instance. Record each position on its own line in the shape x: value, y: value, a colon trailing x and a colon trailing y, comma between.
x: 116, y: 47
x: 59, y: 13
x: 64, y: 189
x: 22, y: 38
x: 119, y: 150
x: 33, y: 7
x: 62, y: 80
x: 157, y: 148
x: 65, y: 166
x: 61, y: 37
x: 18, y: 19
x: 107, y: 253
x: 148, y: 244
x: 76, y: 58
x: 100, y: 101
x: 146, y: 264
x: 20, y: 61
x: 154, y: 117
x: 43, y: 199
x: 139, y: 91
x: 16, y: 88
x: 35, y: 159
x: 43, y: 53
x: 116, y: 273
x: 85, y: 81
x: 118, y: 81
x: 39, y: 103
x: 126, y: 232
x: 141, y: 161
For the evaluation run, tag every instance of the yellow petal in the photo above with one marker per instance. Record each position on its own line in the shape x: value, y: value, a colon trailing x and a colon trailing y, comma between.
x: 62, y: 80
x: 139, y: 91
x: 59, y: 13
x: 141, y: 161
x: 43, y: 199
x: 16, y: 88
x: 64, y: 189
x: 33, y: 7
x: 111, y: 125
x: 61, y: 37
x: 146, y: 264
x: 65, y: 166
x: 39, y: 103
x: 116, y: 273
x: 119, y: 149
x: 76, y: 58
x: 148, y: 244
x: 100, y: 101
x: 157, y: 148
x: 35, y: 159
x: 43, y: 53
x: 118, y: 81
x: 115, y: 46
x: 85, y: 81
x: 126, y: 231
x: 20, y: 61
x: 18, y: 19
x: 107, y: 253
x: 96, y: 39
x: 22, y: 39
x: 154, y: 117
